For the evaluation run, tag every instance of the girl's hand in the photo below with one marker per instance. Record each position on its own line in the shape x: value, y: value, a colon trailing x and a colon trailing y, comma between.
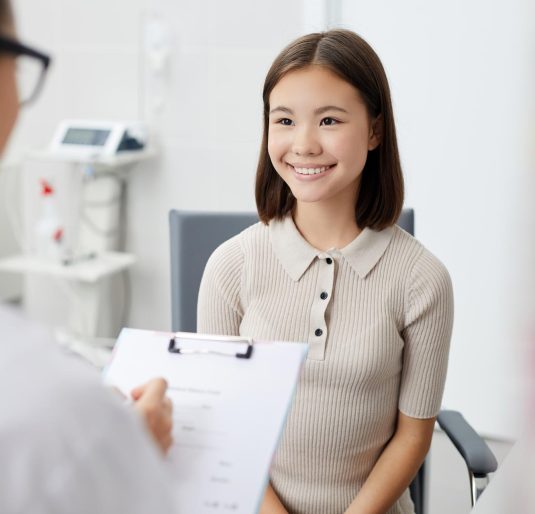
x: 271, y: 503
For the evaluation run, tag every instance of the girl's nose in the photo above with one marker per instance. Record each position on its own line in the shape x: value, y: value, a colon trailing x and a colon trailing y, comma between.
x: 305, y: 142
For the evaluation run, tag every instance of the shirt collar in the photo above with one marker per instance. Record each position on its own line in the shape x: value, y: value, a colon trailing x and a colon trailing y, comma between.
x: 364, y: 252
x: 296, y: 254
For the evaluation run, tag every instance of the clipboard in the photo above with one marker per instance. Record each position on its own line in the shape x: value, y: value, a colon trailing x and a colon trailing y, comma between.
x: 174, y: 345
x: 230, y: 400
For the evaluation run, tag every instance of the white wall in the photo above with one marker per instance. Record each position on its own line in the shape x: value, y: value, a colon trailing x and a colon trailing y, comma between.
x: 461, y: 75
x: 461, y: 81
x: 209, y: 129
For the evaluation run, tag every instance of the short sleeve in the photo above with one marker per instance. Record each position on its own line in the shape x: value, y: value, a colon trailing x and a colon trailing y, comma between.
x: 219, y: 308
x: 427, y: 335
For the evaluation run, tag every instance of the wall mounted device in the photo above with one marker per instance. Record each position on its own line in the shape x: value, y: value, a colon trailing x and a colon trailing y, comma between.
x: 94, y: 140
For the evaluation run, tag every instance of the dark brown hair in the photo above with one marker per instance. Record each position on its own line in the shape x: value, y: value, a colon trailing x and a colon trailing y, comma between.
x: 346, y: 54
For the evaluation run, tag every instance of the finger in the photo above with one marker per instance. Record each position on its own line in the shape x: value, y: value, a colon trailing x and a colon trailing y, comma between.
x: 168, y: 405
x: 166, y: 443
x: 167, y: 424
x: 138, y: 391
x: 152, y: 390
x: 157, y: 385
x: 162, y: 422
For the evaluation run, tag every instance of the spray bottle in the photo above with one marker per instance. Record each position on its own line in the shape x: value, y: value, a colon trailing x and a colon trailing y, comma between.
x: 48, y: 229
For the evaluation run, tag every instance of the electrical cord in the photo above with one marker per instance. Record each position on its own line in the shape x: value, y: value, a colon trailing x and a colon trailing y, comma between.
x: 108, y: 233
x: 86, y: 204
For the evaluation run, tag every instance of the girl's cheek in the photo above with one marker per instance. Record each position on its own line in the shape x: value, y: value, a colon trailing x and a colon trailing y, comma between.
x: 275, y: 147
x: 271, y: 153
x: 350, y: 143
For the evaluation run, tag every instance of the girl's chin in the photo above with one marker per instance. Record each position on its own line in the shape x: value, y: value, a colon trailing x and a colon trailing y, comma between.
x: 308, y: 198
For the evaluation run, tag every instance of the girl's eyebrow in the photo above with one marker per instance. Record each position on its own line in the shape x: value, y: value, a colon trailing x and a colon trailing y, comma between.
x: 281, y: 108
x: 319, y: 110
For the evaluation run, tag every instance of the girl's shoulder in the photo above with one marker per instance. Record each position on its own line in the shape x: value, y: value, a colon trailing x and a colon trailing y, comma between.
x: 418, y: 261
x: 234, y: 250
x: 225, y: 267
x: 405, y: 244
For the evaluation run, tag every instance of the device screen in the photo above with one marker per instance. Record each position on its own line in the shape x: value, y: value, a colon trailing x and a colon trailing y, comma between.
x: 87, y: 137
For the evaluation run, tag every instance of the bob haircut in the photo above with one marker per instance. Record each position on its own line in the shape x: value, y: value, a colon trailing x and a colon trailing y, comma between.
x: 346, y: 54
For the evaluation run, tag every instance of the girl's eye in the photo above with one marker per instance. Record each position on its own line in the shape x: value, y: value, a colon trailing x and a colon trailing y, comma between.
x: 285, y: 121
x: 328, y: 121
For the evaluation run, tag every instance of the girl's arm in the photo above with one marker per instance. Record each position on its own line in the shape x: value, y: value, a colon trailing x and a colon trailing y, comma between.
x: 271, y: 503
x: 427, y: 333
x: 397, y: 466
x: 219, y: 308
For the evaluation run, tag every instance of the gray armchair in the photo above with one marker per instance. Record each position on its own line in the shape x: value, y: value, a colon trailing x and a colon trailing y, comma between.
x: 195, y: 235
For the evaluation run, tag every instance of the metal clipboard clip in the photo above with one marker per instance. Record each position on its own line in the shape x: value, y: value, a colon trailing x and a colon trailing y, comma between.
x: 174, y: 348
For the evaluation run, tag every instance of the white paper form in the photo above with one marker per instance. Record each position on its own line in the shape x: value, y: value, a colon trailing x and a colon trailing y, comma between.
x: 228, y: 413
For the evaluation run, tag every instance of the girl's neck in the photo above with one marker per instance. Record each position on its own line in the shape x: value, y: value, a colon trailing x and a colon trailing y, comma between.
x: 326, y: 225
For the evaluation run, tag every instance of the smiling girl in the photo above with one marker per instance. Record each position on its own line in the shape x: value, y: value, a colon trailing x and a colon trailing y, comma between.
x: 327, y: 265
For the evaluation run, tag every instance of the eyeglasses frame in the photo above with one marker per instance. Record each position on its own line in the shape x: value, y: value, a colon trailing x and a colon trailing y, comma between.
x: 14, y: 47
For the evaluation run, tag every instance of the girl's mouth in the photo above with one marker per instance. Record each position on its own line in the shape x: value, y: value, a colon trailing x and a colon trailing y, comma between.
x: 312, y: 171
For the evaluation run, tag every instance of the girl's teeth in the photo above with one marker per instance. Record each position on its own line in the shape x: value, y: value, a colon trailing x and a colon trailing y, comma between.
x: 311, y: 171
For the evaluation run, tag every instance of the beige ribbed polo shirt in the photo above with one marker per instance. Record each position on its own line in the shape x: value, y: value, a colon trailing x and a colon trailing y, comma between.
x: 377, y: 316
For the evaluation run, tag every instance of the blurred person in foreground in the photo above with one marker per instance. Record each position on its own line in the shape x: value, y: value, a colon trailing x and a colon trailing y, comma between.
x: 68, y: 444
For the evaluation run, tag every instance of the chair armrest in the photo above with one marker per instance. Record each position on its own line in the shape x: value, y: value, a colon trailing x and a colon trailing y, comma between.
x: 474, y: 450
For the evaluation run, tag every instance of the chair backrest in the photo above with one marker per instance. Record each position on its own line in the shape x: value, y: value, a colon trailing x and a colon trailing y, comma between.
x: 406, y: 221
x: 194, y: 236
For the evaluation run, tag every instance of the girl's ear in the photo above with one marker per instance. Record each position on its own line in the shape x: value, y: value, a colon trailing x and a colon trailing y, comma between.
x: 376, y: 133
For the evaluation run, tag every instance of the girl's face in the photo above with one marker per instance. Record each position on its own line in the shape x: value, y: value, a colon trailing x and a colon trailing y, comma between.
x: 319, y: 135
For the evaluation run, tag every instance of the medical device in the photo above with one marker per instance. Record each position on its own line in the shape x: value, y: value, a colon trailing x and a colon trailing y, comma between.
x: 93, y: 140
x: 72, y: 229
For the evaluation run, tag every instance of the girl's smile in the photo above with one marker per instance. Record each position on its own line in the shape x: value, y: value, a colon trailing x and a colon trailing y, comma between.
x: 310, y: 171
